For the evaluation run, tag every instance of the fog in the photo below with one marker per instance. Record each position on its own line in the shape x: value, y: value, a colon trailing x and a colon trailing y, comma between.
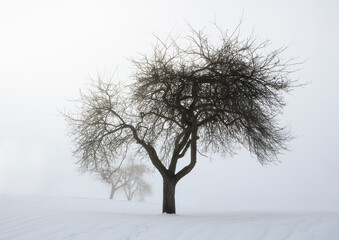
x: 50, y: 49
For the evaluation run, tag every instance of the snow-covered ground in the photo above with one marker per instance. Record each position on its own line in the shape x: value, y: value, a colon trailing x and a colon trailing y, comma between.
x: 79, y: 218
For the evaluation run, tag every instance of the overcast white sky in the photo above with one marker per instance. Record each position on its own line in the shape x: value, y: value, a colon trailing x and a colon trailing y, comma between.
x: 48, y: 50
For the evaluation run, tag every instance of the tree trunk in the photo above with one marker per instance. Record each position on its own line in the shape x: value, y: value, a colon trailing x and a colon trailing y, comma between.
x: 168, y: 204
x: 112, y: 191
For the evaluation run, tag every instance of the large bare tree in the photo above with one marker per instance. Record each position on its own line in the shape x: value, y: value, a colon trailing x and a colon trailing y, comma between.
x: 191, y: 94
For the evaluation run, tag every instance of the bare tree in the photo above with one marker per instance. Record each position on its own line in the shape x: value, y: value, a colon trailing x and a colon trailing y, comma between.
x: 112, y: 177
x: 135, y: 183
x: 129, y: 177
x: 190, y: 94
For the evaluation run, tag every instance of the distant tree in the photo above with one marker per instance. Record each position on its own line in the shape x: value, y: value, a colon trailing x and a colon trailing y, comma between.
x: 190, y: 94
x: 112, y: 177
x: 129, y: 178
x: 134, y: 181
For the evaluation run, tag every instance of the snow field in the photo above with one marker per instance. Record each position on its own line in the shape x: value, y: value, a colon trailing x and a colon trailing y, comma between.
x: 26, y: 218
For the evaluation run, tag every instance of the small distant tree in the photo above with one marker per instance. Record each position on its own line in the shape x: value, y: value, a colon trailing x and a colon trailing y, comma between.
x: 112, y: 177
x: 129, y: 178
x: 134, y: 181
x: 190, y: 95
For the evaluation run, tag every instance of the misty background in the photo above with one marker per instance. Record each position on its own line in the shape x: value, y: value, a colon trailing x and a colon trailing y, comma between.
x: 50, y: 49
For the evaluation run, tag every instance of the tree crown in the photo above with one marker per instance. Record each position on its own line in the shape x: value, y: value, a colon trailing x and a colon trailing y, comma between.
x: 219, y: 95
x: 232, y: 91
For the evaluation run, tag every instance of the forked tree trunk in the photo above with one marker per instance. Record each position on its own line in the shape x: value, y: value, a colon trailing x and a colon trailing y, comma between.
x: 168, y: 202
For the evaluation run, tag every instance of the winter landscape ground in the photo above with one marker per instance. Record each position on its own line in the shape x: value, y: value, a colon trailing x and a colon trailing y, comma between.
x: 80, y: 218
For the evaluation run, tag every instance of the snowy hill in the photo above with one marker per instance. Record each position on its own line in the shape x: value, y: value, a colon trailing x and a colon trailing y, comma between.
x: 78, y: 218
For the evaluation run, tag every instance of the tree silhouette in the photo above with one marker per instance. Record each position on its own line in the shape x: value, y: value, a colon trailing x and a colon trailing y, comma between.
x: 129, y: 177
x: 112, y: 177
x: 135, y: 183
x: 191, y: 95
